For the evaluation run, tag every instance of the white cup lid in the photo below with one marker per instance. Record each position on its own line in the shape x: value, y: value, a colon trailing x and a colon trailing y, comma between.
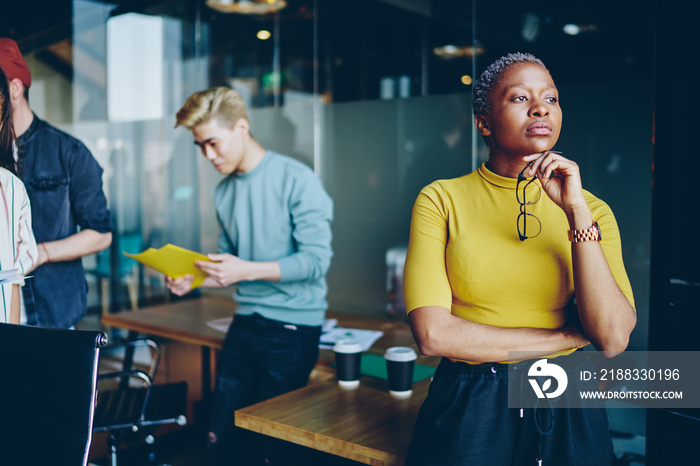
x: 347, y: 346
x: 400, y: 354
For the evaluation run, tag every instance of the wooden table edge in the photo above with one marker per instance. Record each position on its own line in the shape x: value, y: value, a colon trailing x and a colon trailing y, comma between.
x: 155, y: 330
x: 329, y: 445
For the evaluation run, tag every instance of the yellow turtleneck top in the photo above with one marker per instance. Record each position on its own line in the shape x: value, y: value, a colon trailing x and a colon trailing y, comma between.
x: 464, y: 254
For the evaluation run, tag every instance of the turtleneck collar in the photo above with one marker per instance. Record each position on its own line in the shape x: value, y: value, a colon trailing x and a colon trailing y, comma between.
x: 497, y: 180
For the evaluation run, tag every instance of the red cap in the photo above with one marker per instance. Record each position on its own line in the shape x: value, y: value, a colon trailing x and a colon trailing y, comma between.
x: 12, y: 62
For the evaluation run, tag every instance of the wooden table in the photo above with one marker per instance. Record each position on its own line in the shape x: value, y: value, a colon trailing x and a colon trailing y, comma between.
x: 367, y: 424
x: 186, y: 321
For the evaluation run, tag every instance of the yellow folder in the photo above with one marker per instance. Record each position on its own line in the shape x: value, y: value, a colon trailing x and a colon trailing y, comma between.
x: 173, y: 261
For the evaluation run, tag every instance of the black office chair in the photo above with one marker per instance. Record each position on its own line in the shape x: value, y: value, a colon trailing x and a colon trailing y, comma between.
x: 47, y: 394
x: 130, y: 405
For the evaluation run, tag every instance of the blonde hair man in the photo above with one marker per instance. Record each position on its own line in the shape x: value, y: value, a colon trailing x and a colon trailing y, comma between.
x: 275, y: 245
x: 223, y: 103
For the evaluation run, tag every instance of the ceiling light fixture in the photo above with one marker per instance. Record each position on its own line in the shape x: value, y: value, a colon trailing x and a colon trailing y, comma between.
x: 453, y: 51
x: 576, y: 29
x: 247, y: 7
x: 571, y: 29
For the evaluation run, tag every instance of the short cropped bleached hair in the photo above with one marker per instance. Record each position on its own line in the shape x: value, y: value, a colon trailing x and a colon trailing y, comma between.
x: 222, y: 104
x: 492, y: 75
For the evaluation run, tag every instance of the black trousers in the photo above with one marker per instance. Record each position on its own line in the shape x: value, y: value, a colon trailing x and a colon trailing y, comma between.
x: 465, y: 420
x: 261, y: 358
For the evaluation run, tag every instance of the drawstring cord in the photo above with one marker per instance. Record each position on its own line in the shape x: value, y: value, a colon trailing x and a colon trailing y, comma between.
x: 544, y: 422
x: 543, y: 417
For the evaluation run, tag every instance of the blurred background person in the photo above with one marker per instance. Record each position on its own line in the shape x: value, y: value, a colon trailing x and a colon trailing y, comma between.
x: 69, y: 209
x: 17, y: 245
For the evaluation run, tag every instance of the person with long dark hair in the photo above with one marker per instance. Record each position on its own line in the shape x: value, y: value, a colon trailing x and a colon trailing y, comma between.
x: 69, y: 208
x: 18, y: 251
x: 7, y: 132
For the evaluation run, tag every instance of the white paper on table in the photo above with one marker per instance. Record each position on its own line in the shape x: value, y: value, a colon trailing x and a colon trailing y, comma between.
x: 221, y: 325
x: 329, y: 324
x: 365, y: 337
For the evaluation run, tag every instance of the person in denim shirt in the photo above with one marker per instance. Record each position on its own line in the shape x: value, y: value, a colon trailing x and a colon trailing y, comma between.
x: 69, y: 209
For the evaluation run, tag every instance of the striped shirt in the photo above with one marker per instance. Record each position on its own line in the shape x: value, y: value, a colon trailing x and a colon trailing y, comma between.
x: 17, y: 245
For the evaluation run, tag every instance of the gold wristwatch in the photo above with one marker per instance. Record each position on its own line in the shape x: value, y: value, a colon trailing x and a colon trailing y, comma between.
x: 589, y: 234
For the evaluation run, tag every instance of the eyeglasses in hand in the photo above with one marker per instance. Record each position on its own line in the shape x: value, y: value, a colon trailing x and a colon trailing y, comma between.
x: 527, y: 192
x: 525, y: 189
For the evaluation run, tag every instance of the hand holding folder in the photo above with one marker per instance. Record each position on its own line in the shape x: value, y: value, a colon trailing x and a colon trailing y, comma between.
x: 173, y: 261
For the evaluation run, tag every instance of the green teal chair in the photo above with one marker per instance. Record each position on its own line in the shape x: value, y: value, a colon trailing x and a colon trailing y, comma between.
x: 127, y: 269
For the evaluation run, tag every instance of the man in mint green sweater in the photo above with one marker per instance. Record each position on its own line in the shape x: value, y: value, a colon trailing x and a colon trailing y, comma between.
x: 275, y: 246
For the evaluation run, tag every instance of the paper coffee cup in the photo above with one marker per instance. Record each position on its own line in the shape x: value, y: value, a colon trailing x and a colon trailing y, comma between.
x: 399, y: 368
x: 348, y: 358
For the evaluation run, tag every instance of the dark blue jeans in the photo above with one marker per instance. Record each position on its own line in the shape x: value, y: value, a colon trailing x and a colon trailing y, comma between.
x: 465, y: 421
x: 261, y: 358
